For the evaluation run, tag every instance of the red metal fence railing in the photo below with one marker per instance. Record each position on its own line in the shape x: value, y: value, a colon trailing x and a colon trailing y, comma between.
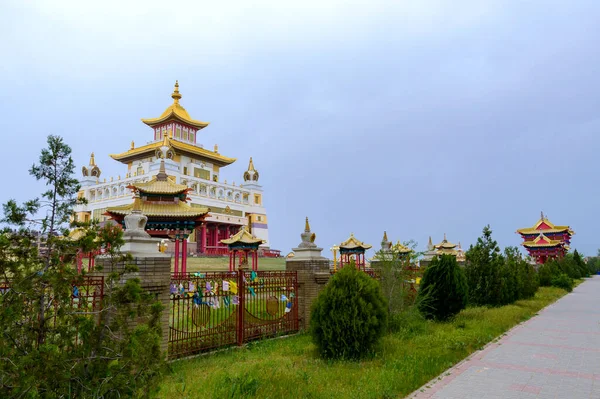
x: 216, y: 309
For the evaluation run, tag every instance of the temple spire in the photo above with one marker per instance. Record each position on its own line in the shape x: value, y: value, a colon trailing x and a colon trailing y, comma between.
x: 385, y: 237
x: 542, y: 215
x: 92, y: 161
x: 307, y: 226
x: 251, y: 165
x: 176, y: 96
x: 162, y: 173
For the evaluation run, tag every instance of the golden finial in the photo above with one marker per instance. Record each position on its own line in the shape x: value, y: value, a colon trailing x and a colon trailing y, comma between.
x: 445, y: 237
x: 217, y: 148
x: 307, y: 225
x: 385, y: 236
x: 541, y: 213
x: 92, y: 161
x: 459, y: 247
x: 251, y: 165
x: 119, y: 177
x: 176, y: 96
x: 430, y: 242
x: 132, y: 145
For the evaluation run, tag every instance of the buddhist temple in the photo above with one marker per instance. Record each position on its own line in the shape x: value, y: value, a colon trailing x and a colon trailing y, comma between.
x: 195, y: 175
x: 545, y: 240
x: 243, y: 245
x: 445, y: 247
x: 353, y: 249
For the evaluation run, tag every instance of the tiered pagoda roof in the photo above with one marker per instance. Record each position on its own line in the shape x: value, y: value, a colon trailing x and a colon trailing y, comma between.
x: 546, y: 240
x: 445, y: 247
x: 243, y: 237
x: 160, y: 185
x: 175, y: 112
x: 352, y: 244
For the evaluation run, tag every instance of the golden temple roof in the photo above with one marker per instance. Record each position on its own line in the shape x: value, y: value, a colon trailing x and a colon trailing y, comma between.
x: 353, y: 243
x: 445, y: 245
x: 400, y: 248
x: 544, y: 225
x: 160, y: 184
x: 542, y: 241
x: 176, y: 111
x: 178, y: 146
x: 151, y: 208
x: 156, y: 186
x: 242, y: 237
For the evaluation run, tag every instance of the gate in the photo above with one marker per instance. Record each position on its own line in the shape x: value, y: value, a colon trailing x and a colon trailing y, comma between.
x: 215, y: 309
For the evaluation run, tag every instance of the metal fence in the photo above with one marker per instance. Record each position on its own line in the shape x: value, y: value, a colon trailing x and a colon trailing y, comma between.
x: 216, y: 309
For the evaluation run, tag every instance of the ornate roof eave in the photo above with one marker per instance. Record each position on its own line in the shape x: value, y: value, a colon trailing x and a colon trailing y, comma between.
x: 243, y: 237
x: 353, y: 243
x: 179, y: 210
x: 150, y: 149
x: 160, y: 187
x: 172, y: 114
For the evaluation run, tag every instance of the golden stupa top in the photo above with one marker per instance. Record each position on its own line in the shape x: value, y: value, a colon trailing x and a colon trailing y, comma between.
x: 160, y: 184
x: 162, y: 209
x: 544, y: 225
x: 175, y: 111
x: 353, y: 243
x: 92, y: 160
x: 445, y: 244
x: 542, y: 241
x: 178, y: 146
x: 242, y: 237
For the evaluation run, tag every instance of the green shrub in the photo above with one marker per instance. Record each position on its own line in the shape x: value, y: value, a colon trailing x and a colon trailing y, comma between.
x: 349, y: 317
x: 484, y: 272
x: 443, y: 291
x: 563, y: 281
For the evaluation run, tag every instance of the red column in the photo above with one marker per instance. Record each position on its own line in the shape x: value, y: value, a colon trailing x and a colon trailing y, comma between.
x: 231, y: 260
x: 176, y: 256
x: 184, y: 256
x: 203, y: 238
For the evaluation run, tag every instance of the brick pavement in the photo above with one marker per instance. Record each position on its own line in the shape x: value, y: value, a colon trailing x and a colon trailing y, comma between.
x: 555, y: 354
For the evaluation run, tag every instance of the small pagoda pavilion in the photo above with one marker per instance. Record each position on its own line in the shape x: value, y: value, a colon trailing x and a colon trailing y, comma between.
x: 446, y: 247
x: 169, y: 215
x: 545, y: 240
x: 353, y: 249
x: 241, y: 245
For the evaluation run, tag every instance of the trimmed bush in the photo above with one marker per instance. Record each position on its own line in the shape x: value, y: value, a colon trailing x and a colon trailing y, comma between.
x: 349, y: 317
x: 563, y: 281
x: 443, y: 291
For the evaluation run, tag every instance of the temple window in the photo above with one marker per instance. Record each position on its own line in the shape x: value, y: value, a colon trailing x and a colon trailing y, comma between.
x: 178, y: 133
x: 237, y: 197
x: 213, y: 192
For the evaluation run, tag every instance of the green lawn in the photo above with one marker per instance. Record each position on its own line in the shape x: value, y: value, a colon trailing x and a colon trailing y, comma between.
x: 289, y: 368
x: 222, y: 264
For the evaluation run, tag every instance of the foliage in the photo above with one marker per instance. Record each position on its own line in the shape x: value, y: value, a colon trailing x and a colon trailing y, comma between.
x: 52, y: 343
x: 288, y: 368
x: 519, y: 279
x: 395, y: 277
x: 349, y: 316
x: 484, y: 271
x: 580, y: 264
x: 593, y: 264
x: 443, y: 291
x: 563, y: 281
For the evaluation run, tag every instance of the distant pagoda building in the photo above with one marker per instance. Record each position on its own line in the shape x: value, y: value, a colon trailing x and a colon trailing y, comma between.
x: 353, y: 249
x: 545, y: 240
x: 443, y: 248
x: 169, y: 215
x: 188, y: 164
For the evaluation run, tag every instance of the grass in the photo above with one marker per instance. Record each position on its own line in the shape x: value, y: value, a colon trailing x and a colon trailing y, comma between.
x: 222, y: 264
x: 289, y: 368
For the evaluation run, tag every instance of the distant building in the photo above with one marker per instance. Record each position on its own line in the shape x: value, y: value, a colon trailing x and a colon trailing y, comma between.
x: 545, y: 240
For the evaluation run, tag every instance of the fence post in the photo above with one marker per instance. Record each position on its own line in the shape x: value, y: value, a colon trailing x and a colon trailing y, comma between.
x: 241, y: 305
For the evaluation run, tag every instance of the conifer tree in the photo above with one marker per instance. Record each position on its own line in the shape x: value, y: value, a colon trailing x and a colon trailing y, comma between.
x: 484, y: 271
x: 48, y: 346
x: 443, y: 291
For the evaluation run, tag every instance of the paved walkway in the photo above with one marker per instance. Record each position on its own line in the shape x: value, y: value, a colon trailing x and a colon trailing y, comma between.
x: 553, y: 355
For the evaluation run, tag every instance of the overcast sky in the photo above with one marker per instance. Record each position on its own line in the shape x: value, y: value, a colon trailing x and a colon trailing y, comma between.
x: 415, y: 117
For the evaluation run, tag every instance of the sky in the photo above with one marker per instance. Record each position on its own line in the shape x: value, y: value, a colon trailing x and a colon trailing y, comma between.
x: 418, y: 118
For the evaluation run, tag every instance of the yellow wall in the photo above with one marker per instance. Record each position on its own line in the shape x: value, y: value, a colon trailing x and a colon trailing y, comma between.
x: 254, y: 218
x: 257, y: 199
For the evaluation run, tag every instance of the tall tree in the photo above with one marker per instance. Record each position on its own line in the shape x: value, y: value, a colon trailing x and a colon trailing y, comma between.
x: 48, y: 347
x: 484, y: 270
